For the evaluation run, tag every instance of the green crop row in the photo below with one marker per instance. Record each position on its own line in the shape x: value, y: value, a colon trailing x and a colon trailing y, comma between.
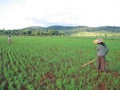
x: 54, y: 63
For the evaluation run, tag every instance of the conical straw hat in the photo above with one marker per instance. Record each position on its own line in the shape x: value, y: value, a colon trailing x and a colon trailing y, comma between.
x: 99, y: 40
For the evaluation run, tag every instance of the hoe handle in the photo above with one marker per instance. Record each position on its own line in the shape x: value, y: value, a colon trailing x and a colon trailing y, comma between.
x: 88, y: 63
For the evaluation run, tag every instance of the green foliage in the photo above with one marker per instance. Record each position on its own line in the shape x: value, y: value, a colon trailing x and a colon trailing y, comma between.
x: 54, y: 63
x: 64, y: 30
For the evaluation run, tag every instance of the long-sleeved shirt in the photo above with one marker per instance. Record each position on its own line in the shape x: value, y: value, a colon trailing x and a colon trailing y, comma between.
x: 102, y: 50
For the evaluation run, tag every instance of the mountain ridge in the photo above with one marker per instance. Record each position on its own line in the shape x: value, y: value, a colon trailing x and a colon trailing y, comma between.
x: 59, y: 29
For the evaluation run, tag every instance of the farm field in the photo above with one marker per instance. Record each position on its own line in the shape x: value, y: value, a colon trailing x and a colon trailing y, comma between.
x: 54, y: 63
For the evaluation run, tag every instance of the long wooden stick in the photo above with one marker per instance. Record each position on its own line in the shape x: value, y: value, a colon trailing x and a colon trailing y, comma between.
x: 88, y: 63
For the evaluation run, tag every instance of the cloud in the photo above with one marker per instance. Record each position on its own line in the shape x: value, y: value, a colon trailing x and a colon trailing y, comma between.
x: 23, y: 13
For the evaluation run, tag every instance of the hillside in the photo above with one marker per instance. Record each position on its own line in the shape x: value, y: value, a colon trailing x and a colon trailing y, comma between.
x: 63, y: 30
x: 86, y: 28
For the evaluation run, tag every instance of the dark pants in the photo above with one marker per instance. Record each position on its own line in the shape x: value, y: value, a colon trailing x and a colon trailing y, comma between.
x: 101, y: 63
x: 9, y: 41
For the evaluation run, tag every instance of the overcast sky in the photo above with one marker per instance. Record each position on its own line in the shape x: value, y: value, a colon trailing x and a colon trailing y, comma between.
x: 16, y: 14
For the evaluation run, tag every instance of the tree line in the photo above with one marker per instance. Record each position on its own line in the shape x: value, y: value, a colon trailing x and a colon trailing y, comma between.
x: 32, y: 32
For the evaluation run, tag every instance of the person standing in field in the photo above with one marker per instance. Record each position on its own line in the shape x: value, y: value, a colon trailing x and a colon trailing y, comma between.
x: 9, y: 39
x: 102, y: 51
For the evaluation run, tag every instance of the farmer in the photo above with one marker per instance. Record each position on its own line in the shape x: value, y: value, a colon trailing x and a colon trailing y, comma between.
x: 102, y: 51
x: 9, y: 39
